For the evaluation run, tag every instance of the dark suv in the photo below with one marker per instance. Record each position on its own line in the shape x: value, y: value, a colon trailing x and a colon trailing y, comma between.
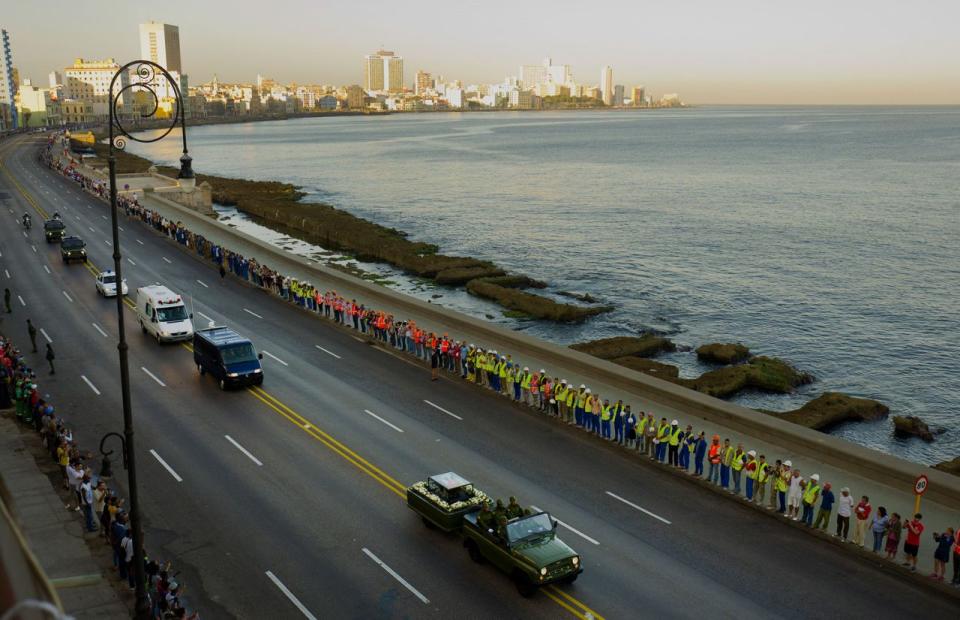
x: 54, y: 230
x: 73, y: 248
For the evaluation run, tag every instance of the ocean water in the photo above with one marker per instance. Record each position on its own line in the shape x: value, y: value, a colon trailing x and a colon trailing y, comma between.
x: 827, y: 236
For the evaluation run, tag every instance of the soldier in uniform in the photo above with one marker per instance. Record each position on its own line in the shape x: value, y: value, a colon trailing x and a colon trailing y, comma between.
x: 486, y: 519
x: 514, y: 509
x: 502, y: 528
x: 500, y: 510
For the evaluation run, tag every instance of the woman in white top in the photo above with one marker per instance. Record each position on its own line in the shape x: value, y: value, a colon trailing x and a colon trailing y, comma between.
x: 794, y: 494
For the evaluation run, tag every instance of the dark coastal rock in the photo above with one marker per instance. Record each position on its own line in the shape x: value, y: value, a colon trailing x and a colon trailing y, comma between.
x: 647, y: 366
x: 767, y: 374
x: 461, y: 275
x: 586, y: 298
x: 833, y: 408
x: 647, y: 345
x: 723, y: 353
x: 535, y: 306
x: 911, y: 426
x: 951, y: 467
x: 516, y: 281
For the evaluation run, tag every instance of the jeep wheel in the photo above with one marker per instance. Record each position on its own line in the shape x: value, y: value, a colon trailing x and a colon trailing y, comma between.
x: 524, y: 586
x: 474, y: 551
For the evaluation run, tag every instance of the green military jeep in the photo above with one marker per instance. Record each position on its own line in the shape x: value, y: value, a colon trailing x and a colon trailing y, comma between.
x: 442, y: 500
x: 53, y: 229
x: 529, y: 551
x: 73, y: 248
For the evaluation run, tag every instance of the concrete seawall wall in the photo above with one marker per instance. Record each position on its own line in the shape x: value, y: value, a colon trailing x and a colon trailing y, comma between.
x: 865, y: 462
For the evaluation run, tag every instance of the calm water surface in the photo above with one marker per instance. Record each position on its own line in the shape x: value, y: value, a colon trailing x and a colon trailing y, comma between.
x: 826, y: 236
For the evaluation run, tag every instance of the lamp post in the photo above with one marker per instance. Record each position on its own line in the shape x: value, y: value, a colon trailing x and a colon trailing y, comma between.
x: 145, y: 74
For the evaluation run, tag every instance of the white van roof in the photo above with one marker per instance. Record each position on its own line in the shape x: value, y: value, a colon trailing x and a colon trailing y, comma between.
x: 160, y: 295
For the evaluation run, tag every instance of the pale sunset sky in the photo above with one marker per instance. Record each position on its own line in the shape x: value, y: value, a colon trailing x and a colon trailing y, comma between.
x: 739, y: 51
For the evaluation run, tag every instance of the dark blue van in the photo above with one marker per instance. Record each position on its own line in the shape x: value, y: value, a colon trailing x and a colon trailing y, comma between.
x: 228, y: 356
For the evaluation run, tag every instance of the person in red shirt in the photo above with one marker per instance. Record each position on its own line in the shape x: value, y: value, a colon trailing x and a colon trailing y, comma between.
x: 862, y: 512
x: 912, y: 546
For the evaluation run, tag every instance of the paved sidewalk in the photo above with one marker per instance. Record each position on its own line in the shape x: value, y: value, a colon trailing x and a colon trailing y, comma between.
x: 55, y: 536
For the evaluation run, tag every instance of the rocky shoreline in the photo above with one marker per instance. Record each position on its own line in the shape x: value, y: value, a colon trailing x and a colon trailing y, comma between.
x: 281, y: 204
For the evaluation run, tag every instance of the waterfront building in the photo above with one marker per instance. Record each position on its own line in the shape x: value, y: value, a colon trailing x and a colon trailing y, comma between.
x: 456, y: 97
x: 328, y: 102
x: 606, y: 85
x: 383, y: 72
x: 160, y: 43
x: 637, y: 96
x: 533, y: 75
x: 618, y: 95
x: 88, y: 81
x: 356, y: 98
x: 423, y: 83
x: 521, y: 99
x: 37, y: 107
x: 8, y: 84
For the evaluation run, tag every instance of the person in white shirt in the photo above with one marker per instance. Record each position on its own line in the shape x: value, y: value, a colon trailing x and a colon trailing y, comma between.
x: 75, y: 478
x: 793, y: 496
x: 844, y: 510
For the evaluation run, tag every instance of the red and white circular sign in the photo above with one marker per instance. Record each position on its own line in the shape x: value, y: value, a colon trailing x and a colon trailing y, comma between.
x: 920, y: 485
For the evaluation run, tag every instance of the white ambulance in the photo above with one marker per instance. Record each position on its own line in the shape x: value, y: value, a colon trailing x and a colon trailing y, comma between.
x: 162, y: 314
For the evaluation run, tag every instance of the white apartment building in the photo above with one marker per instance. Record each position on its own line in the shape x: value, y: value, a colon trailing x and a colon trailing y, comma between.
x: 160, y: 43
x: 606, y: 85
x: 88, y: 82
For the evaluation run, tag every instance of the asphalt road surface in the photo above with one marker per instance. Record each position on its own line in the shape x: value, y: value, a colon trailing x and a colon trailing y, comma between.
x: 287, y: 502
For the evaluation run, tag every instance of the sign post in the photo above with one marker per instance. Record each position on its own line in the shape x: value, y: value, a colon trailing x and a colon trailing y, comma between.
x: 919, y: 488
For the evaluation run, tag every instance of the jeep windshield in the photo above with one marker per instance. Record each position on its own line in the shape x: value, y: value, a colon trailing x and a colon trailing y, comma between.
x: 529, y: 528
x: 54, y: 225
x: 238, y: 354
x: 175, y: 313
x: 72, y: 243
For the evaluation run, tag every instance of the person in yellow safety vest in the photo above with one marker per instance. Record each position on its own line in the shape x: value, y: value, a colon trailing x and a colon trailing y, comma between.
x: 471, y: 362
x: 503, y: 375
x: 675, y: 435
x: 642, y: 423
x: 762, y: 476
x: 739, y: 460
x: 751, y: 468
x: 810, y: 495
x: 561, y: 397
x: 606, y: 414
x: 511, y: 379
x: 581, y: 405
x: 783, y: 483
x: 570, y: 404
x: 525, y: 379
x: 588, y: 410
x: 663, y: 434
x: 726, y: 460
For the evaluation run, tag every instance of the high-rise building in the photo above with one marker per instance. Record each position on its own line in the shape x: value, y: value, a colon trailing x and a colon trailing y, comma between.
x: 383, y: 71
x: 88, y: 82
x: 424, y: 82
x: 37, y: 106
x: 637, y: 96
x: 160, y: 43
x: 531, y: 75
x: 618, y: 95
x: 355, y: 97
x: 8, y: 84
x: 606, y: 85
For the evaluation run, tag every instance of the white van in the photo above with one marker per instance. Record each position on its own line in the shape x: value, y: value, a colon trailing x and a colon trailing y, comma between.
x: 162, y: 314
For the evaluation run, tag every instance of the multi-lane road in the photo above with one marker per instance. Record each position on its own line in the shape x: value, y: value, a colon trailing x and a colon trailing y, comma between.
x: 287, y: 501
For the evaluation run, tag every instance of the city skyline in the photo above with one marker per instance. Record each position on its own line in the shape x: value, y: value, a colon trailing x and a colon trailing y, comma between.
x: 747, y: 53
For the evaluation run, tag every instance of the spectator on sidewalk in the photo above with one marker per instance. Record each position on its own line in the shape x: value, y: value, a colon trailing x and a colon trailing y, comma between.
x: 826, y: 507
x: 784, y: 475
x: 75, y: 478
x: 956, y: 561
x: 941, y: 555
x: 912, y: 545
x: 862, y: 512
x: 810, y: 495
x: 894, y: 527
x: 793, y: 495
x: 879, y: 528
x: 126, y: 546
x: 32, y: 332
x: 50, y: 357
x: 87, y: 501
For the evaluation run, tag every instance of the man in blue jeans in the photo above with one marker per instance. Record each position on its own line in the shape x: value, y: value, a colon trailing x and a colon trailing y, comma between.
x: 826, y: 507
x: 86, y: 497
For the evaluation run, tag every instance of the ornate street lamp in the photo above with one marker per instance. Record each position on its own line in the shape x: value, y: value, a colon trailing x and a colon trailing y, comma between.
x: 145, y: 74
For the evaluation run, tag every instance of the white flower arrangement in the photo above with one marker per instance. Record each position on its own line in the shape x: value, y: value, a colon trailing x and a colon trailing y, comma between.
x: 477, y: 498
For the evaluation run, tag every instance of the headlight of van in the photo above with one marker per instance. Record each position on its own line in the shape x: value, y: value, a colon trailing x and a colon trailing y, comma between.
x: 257, y: 370
x: 543, y: 571
x: 233, y: 374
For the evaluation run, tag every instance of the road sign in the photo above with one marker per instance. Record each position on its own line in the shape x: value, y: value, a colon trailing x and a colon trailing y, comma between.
x: 920, y: 485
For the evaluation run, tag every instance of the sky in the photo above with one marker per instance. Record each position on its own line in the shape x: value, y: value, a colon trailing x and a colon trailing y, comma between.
x: 708, y: 51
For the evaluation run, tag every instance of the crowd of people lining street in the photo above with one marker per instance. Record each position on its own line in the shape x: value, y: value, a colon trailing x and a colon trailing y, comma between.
x: 773, y: 484
x: 90, y: 495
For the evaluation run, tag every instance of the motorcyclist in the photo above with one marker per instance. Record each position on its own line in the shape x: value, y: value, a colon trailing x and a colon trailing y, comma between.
x: 26, y: 220
x: 56, y: 215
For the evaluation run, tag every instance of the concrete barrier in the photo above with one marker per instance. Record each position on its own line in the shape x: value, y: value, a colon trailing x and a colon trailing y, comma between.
x: 885, y: 469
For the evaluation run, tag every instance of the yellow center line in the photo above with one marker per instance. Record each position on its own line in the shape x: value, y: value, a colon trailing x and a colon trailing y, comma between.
x: 570, y: 603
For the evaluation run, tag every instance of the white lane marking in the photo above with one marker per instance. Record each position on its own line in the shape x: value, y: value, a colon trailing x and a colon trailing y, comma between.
x: 91, y: 229
x: 44, y: 332
x: 167, y: 259
x: 293, y: 599
x: 271, y: 355
x: 22, y: 303
x: 439, y: 408
x: 641, y: 509
x: 394, y: 427
x: 244, y: 450
x: 205, y: 316
x: 202, y: 284
x: 175, y: 475
x: 153, y: 376
x: 108, y: 243
x: 25, y: 234
x: 120, y: 228
x: 92, y: 386
x: 572, y: 529
x: 67, y: 295
x: 394, y: 574
x: 34, y: 248
x: 99, y: 329
x: 104, y: 216
x: 76, y: 217
x: 131, y: 262
x: 47, y: 269
x: 8, y: 274
x: 327, y: 352
x: 253, y: 313
x: 140, y: 242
